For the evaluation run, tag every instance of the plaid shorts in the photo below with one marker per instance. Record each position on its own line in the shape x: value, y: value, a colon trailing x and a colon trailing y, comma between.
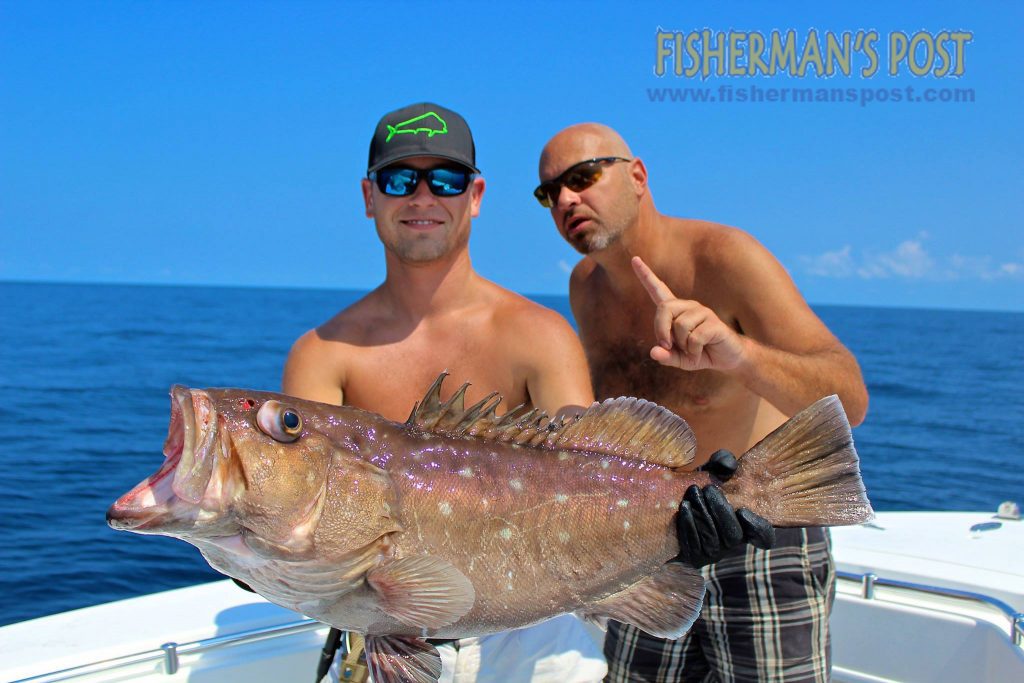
x: 765, y: 618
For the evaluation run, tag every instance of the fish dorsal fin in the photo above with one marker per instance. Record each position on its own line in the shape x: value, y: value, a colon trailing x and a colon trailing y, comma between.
x: 452, y: 416
x: 626, y: 427
x: 631, y: 428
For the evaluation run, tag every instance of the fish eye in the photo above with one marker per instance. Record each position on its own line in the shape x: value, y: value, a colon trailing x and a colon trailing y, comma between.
x: 279, y: 422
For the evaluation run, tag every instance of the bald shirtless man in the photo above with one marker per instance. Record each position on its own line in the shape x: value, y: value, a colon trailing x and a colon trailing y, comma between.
x: 702, y: 319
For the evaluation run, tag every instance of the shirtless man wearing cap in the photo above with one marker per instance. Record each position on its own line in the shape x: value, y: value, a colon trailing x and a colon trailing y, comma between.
x: 433, y: 313
x: 702, y: 319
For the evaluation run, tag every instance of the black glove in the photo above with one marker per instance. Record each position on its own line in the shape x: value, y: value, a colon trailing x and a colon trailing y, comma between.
x: 708, y: 526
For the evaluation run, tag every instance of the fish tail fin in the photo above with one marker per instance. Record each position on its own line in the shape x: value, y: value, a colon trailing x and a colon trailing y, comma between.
x: 805, y: 473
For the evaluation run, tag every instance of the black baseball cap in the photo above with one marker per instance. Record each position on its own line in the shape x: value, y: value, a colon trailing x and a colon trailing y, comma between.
x: 421, y: 130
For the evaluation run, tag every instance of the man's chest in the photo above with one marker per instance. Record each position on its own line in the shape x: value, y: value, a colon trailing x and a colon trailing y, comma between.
x: 618, y: 337
x: 390, y: 378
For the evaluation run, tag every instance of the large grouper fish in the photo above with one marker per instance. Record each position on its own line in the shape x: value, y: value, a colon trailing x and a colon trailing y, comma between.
x: 461, y: 522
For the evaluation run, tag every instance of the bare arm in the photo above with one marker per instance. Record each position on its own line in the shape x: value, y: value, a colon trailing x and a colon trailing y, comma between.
x: 557, y: 379
x: 792, y: 381
x: 311, y: 372
x: 785, y: 353
x: 792, y: 359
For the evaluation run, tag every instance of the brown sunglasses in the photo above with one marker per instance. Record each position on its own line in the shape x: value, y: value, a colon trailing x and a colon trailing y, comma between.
x: 577, y: 178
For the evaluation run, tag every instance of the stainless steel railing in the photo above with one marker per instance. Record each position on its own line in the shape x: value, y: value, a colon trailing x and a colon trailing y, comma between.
x: 869, y: 581
x: 170, y: 652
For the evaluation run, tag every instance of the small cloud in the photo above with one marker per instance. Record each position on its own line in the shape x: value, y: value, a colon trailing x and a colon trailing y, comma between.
x: 831, y: 263
x: 910, y: 260
x: 565, y: 267
x: 983, y: 267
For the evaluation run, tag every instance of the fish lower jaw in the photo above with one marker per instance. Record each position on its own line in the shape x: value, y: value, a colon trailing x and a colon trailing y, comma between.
x: 154, y: 507
x: 151, y: 499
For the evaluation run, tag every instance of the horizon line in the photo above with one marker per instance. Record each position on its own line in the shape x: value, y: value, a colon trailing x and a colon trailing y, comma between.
x: 213, y: 285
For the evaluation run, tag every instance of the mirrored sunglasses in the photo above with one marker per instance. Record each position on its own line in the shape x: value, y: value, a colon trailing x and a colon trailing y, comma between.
x: 443, y: 181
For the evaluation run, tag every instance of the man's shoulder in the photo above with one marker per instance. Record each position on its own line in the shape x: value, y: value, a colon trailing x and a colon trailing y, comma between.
x: 351, y: 324
x: 713, y: 244
x: 582, y: 271
x: 513, y: 319
x: 515, y: 310
x: 540, y: 348
x: 348, y: 328
x: 585, y: 279
x: 703, y: 234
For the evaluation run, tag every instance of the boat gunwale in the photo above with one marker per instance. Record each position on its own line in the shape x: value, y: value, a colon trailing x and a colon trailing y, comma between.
x: 169, y: 652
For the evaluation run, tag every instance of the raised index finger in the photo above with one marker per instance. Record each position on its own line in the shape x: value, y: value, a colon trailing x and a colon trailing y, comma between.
x: 657, y: 289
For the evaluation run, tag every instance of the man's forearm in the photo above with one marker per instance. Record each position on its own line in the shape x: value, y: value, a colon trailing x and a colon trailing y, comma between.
x: 792, y: 381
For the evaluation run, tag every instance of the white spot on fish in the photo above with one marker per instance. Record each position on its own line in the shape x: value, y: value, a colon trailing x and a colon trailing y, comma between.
x: 561, y: 497
x: 563, y: 536
x: 511, y: 574
x: 516, y: 484
x: 506, y: 533
x: 205, y: 515
x: 605, y: 463
x: 671, y: 503
x: 562, y: 455
x: 666, y: 476
x: 485, y: 502
x: 625, y: 525
x: 445, y: 508
x: 622, y: 503
x: 466, y: 472
x: 657, y: 506
x: 510, y: 587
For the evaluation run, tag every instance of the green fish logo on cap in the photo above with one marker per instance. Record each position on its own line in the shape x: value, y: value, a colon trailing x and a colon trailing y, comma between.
x: 429, y: 123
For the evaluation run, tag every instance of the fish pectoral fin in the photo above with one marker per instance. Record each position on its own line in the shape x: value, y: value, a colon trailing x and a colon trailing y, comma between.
x: 395, y: 659
x: 425, y: 591
x: 664, y: 605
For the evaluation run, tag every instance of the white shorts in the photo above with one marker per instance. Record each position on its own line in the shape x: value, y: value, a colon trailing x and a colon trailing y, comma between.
x: 560, y: 650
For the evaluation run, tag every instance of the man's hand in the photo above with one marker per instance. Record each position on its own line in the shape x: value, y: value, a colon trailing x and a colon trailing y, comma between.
x: 707, y: 525
x: 690, y: 335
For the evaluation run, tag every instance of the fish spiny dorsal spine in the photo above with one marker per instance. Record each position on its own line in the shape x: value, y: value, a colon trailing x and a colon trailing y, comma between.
x: 625, y: 427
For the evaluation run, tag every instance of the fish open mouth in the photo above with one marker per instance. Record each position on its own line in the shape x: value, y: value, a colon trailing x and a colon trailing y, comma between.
x: 172, y: 494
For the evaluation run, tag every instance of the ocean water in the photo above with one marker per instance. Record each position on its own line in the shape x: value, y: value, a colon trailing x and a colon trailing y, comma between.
x: 85, y: 369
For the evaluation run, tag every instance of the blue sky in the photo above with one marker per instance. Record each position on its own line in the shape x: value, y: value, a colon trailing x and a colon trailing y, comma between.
x: 223, y: 142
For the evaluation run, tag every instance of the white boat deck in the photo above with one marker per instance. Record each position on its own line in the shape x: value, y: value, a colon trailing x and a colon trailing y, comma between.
x: 902, y: 634
x: 899, y: 635
x: 187, y: 615
x: 939, y: 549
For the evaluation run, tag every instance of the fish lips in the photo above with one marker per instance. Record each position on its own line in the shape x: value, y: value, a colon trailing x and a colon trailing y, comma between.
x: 171, y: 497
